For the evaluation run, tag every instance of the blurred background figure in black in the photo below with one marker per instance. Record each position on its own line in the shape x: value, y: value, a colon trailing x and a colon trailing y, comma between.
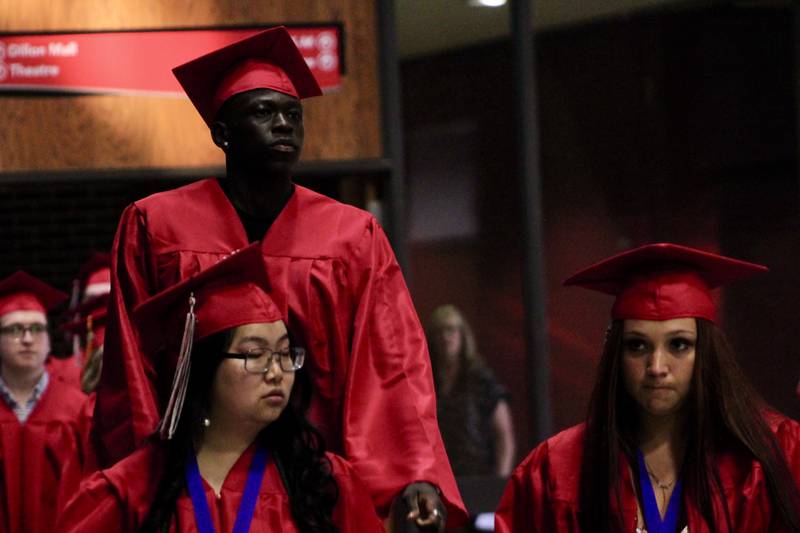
x: 472, y: 406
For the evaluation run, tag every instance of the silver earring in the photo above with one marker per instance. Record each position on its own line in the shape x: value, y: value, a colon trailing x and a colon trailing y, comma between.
x: 206, y: 422
x: 225, y: 144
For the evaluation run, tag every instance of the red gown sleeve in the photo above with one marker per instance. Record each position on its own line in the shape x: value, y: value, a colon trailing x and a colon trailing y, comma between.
x: 523, y: 505
x: 788, y: 436
x: 391, y: 435
x: 787, y: 433
x: 747, y: 493
x: 126, y: 411
x: 4, y: 518
x: 96, y: 507
x: 354, y: 512
x: 80, y: 460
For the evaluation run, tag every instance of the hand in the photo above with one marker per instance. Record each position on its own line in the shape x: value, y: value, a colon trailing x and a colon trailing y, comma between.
x: 426, y: 509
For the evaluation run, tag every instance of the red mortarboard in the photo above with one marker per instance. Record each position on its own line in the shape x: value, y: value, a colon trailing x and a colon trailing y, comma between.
x: 96, y: 308
x: 95, y: 322
x: 266, y: 60
x: 93, y: 270
x: 93, y: 305
x: 80, y: 326
x: 23, y: 292
x: 96, y: 269
x: 663, y: 281
x: 231, y: 293
x: 89, y: 325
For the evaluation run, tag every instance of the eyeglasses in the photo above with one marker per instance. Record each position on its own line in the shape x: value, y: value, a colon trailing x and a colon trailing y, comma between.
x: 17, y: 331
x: 259, y: 360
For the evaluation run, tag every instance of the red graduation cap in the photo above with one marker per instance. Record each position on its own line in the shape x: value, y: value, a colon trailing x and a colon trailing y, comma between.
x: 663, y: 281
x: 89, y: 325
x: 23, y: 292
x: 231, y: 293
x: 81, y: 326
x: 96, y: 269
x: 94, y: 273
x: 94, y: 309
x: 94, y: 305
x: 266, y: 60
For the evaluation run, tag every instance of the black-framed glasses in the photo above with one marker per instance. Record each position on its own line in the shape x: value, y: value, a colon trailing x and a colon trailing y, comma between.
x: 17, y: 331
x: 259, y: 360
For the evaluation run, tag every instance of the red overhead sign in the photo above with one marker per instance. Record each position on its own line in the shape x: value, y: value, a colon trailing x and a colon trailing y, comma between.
x: 140, y: 62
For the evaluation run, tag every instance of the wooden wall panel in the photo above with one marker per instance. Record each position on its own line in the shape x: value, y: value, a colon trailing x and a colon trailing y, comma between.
x: 127, y: 132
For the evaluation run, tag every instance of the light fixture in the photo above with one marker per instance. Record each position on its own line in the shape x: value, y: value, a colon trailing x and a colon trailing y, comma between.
x: 486, y: 3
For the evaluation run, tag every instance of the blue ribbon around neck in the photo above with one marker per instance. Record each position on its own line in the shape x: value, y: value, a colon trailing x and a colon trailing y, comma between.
x: 244, y: 516
x: 652, y: 516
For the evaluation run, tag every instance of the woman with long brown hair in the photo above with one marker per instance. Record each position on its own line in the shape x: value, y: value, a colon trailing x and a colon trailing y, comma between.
x: 676, y: 439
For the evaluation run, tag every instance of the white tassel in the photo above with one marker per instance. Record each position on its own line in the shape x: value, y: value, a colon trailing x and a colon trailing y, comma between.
x: 169, y: 423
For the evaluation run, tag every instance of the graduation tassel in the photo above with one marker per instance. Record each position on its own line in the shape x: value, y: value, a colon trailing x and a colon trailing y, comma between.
x: 75, y: 294
x: 169, y: 423
x: 74, y: 300
x: 89, y: 342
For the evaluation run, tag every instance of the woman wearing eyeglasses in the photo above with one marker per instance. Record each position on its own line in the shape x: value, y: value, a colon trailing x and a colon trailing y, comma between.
x: 676, y: 439
x: 233, y: 451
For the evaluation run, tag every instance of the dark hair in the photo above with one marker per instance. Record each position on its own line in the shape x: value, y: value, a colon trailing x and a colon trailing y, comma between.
x: 724, y: 414
x: 296, y: 446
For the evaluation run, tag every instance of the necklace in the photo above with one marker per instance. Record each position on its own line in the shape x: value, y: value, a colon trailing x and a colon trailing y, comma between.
x: 650, y: 508
x: 663, y: 486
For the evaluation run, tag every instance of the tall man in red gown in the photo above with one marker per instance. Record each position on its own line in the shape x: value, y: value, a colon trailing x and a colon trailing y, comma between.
x: 347, y: 299
x: 37, y: 413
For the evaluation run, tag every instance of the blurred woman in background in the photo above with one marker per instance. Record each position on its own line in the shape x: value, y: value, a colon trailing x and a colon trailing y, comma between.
x: 472, y: 406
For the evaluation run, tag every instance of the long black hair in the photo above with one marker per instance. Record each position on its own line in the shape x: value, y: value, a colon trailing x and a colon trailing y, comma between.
x: 724, y: 414
x: 296, y: 446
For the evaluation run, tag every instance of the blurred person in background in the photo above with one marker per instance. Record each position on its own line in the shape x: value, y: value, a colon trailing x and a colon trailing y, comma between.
x: 472, y: 406
x: 87, y: 312
x: 676, y: 439
x: 88, y: 299
x: 88, y: 326
x: 37, y: 412
x: 94, y: 279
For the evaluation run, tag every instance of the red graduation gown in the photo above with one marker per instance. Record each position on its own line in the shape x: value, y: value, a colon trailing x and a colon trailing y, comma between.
x: 65, y: 370
x: 118, y: 499
x: 80, y: 461
x: 374, y: 398
x: 543, y: 492
x: 32, y: 456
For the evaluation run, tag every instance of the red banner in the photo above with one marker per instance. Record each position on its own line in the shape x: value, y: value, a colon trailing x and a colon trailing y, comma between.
x: 140, y: 62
